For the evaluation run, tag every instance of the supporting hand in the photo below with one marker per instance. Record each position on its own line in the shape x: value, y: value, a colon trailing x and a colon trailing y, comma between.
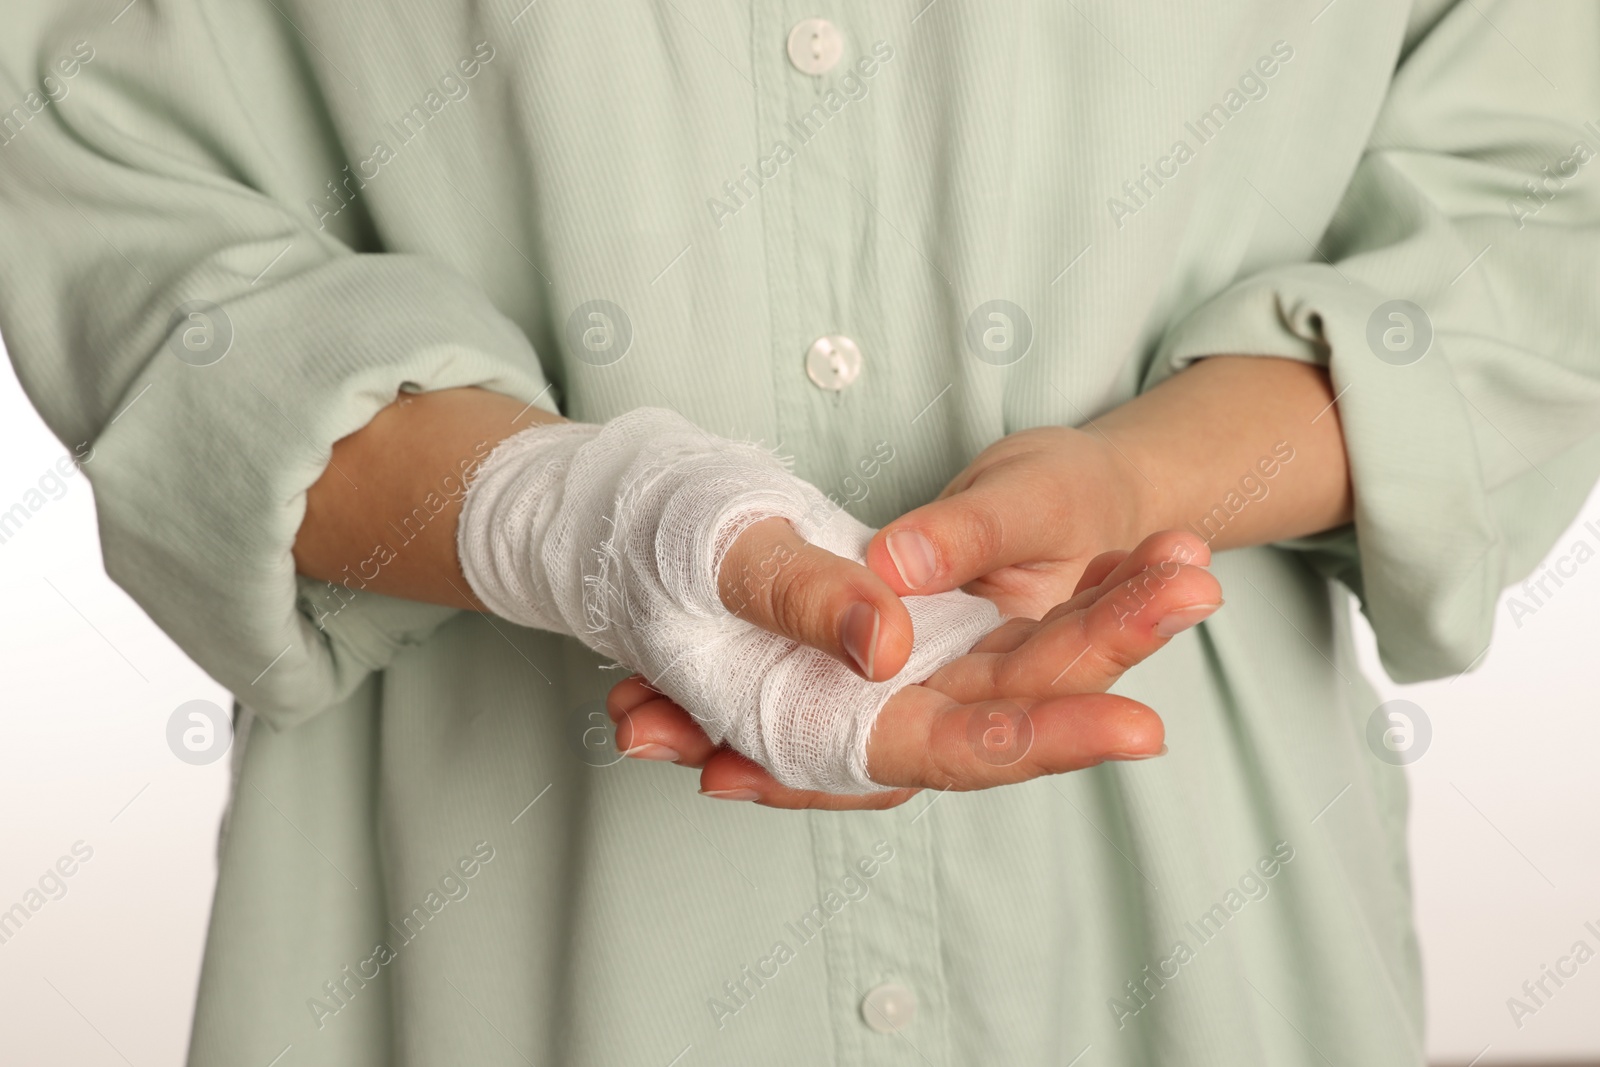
x: 1029, y: 700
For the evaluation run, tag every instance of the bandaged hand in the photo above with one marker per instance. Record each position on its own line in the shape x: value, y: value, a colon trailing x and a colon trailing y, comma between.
x: 1029, y: 700
x: 617, y: 535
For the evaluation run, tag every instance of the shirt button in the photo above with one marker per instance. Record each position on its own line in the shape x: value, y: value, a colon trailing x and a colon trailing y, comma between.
x: 815, y: 46
x: 889, y: 1008
x: 833, y: 362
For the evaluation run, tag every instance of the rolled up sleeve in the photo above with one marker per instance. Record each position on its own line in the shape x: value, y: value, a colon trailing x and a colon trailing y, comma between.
x: 1473, y: 448
x: 210, y: 344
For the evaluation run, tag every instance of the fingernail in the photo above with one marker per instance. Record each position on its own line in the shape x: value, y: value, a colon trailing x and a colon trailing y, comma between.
x: 731, y: 794
x: 858, y: 633
x: 1129, y: 756
x: 653, y: 751
x: 913, y: 557
x: 1175, y: 622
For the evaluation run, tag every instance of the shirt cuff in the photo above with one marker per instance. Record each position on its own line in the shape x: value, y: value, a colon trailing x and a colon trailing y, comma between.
x: 200, y: 480
x: 1421, y: 553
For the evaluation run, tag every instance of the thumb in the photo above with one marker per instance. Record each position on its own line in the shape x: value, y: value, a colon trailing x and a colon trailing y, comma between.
x: 775, y: 579
x: 996, y: 522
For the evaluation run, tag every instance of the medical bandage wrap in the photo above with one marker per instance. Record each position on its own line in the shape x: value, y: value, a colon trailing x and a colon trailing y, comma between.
x: 616, y: 534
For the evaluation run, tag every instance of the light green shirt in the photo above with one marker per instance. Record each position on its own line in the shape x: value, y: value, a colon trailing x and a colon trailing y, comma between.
x: 429, y: 859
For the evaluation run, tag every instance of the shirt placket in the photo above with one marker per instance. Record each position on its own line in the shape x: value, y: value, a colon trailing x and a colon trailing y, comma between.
x: 815, y: 179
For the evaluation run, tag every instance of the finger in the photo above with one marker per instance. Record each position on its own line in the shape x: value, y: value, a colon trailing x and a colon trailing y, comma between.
x: 1088, y: 650
x: 925, y: 740
x: 1099, y: 569
x: 730, y: 776
x: 1160, y: 549
x: 1090, y: 642
x: 963, y: 536
x: 966, y: 681
x: 661, y: 730
x: 1118, y: 565
x: 627, y: 695
x: 1007, y: 636
x: 774, y: 579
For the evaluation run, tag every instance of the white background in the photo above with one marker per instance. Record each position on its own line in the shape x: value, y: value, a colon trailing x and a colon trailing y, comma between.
x: 1504, y: 824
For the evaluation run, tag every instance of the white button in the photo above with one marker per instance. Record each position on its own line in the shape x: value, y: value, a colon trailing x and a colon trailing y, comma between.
x: 833, y: 362
x: 889, y: 1008
x: 815, y: 46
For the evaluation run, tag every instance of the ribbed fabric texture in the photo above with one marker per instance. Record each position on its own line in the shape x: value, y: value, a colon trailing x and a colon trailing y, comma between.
x: 434, y: 193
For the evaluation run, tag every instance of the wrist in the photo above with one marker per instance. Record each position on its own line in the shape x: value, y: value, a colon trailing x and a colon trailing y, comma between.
x: 1130, y: 494
x: 1202, y: 442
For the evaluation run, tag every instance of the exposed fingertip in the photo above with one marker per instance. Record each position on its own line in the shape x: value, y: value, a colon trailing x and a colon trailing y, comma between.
x: 731, y: 794
x: 627, y: 695
x: 859, y: 629
x: 652, y: 751
x: 1180, y: 619
x: 1130, y: 757
x: 913, y: 557
x: 895, y: 638
x: 729, y: 770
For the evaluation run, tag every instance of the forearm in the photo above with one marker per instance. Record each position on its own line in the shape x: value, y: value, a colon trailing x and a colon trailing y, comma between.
x: 384, y: 512
x: 385, y: 516
x: 1242, y: 450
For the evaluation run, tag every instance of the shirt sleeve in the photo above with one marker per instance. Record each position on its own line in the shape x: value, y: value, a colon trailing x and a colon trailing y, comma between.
x: 184, y: 326
x: 1455, y: 309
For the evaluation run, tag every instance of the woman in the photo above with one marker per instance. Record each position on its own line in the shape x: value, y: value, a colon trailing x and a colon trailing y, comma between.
x: 1313, y: 281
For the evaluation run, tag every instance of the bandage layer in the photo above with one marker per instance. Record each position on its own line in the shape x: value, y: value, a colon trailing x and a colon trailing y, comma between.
x: 616, y: 534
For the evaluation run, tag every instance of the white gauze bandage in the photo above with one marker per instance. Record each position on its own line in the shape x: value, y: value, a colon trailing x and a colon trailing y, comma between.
x: 615, y: 535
